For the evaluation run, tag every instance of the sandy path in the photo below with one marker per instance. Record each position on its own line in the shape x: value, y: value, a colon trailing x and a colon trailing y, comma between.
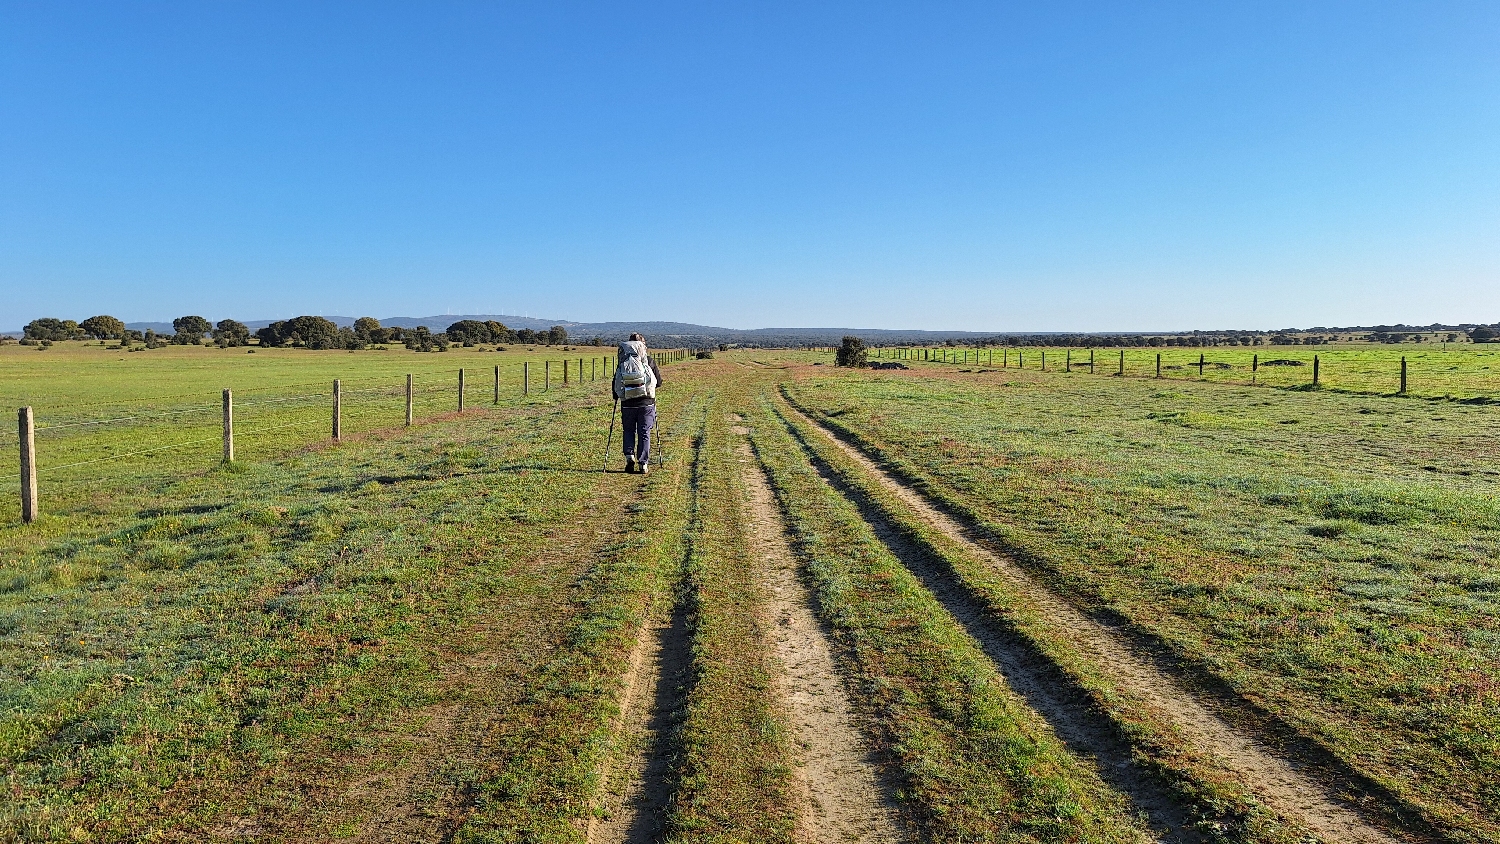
x: 1273, y: 780
x: 843, y: 791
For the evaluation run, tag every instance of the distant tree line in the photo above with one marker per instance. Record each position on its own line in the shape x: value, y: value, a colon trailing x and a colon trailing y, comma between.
x: 315, y: 332
x: 309, y: 332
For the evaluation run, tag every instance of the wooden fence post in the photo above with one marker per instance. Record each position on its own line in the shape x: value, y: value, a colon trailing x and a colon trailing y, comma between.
x: 1315, y: 371
x: 546, y: 376
x: 1254, y: 367
x: 337, y: 400
x: 1044, y: 360
x: 1200, y: 364
x: 28, y: 465
x: 228, y: 427
x: 1403, y: 375
x: 1091, y: 361
x: 526, y: 378
x: 1122, y: 363
x: 460, y: 390
x: 1158, y: 364
x: 1068, y: 364
x: 409, y: 400
x: 497, y: 383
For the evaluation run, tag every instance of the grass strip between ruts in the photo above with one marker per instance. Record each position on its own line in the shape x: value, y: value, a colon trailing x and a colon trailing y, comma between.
x: 974, y: 763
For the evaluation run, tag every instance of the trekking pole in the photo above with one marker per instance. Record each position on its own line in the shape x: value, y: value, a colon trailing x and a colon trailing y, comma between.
x: 604, y: 467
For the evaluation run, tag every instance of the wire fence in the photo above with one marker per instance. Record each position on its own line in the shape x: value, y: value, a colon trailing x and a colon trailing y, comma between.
x: 1466, y: 373
x: 55, y: 444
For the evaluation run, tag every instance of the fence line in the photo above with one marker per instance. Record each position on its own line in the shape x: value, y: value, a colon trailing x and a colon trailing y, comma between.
x: 1400, y: 370
x: 308, y: 401
x: 129, y: 454
x: 123, y: 419
x: 205, y: 393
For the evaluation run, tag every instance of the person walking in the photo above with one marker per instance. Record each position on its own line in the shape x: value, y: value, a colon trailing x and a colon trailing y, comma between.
x: 636, y: 381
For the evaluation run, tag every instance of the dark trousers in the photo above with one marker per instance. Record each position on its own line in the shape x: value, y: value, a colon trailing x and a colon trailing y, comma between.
x: 637, y: 423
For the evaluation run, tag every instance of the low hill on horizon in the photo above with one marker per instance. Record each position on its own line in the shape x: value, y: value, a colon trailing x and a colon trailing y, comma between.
x: 669, y: 334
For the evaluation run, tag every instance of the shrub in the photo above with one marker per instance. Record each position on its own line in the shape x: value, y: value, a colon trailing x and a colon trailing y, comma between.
x: 421, y: 339
x: 851, y: 353
x: 705, y: 355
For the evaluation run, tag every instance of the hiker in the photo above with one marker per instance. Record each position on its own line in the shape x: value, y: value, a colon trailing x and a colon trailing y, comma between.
x: 636, y: 380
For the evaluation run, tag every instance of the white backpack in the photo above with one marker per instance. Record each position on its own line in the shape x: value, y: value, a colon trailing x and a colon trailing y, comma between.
x: 633, y: 376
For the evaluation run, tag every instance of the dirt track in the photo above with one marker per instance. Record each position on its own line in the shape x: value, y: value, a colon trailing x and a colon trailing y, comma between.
x: 1271, y: 778
x: 844, y: 797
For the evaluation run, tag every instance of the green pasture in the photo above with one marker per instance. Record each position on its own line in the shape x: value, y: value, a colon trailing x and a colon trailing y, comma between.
x: 1331, y: 557
x: 1457, y: 371
x: 108, y: 418
x: 71, y: 378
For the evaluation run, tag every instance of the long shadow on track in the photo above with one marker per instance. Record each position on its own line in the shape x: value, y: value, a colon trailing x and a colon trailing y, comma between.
x: 650, y: 787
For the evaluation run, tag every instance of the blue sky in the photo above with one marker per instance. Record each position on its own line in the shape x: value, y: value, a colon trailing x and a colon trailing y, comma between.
x: 987, y: 166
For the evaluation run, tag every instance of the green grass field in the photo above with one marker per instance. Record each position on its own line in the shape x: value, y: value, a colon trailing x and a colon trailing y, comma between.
x: 448, y: 631
x: 164, y: 406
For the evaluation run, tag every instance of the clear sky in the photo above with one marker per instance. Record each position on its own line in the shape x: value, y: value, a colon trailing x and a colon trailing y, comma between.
x: 986, y: 166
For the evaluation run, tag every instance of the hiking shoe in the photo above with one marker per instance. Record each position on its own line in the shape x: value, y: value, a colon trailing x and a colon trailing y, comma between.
x: 629, y: 466
x: 645, y: 468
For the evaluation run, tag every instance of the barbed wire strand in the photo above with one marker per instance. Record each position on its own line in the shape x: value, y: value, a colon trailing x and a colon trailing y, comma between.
x: 394, y: 391
x: 41, y: 428
x: 449, y: 372
x: 128, y: 454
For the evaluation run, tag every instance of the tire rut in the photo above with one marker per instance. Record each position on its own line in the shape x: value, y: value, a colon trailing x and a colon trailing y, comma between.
x: 637, y: 790
x: 1274, y: 780
x: 636, y: 785
x: 839, y: 777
